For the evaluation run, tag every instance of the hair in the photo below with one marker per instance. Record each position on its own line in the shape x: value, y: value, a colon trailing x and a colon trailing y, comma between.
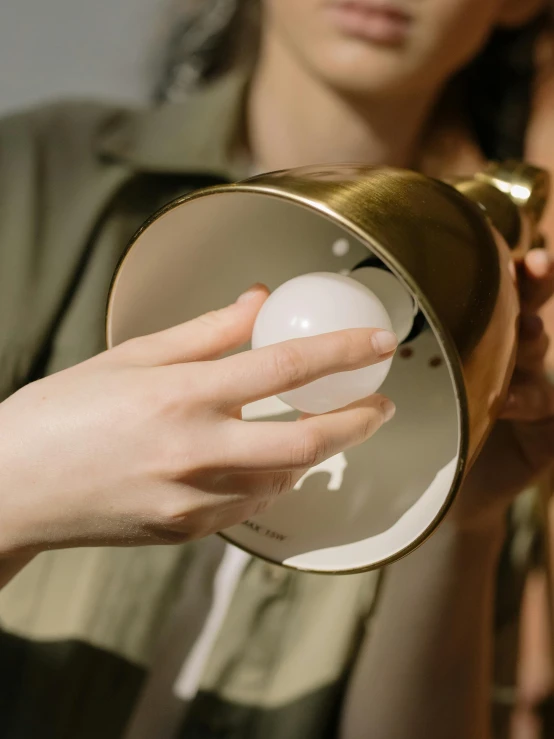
x: 210, y: 37
x: 499, y: 88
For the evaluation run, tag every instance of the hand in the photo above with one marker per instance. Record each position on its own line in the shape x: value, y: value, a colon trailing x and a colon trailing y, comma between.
x: 145, y: 444
x: 521, y: 444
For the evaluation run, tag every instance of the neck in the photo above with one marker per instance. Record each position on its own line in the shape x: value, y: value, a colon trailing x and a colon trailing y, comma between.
x: 294, y: 119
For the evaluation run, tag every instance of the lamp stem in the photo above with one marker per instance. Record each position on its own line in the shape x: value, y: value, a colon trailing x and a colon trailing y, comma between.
x: 513, y: 196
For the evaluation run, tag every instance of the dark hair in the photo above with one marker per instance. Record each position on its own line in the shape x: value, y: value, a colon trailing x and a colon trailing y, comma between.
x: 211, y: 36
x: 499, y: 88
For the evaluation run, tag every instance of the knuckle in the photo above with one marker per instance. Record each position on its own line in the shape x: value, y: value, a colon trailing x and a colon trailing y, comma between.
x: 168, y: 517
x: 260, y: 506
x: 185, y: 517
x: 290, y: 365
x: 282, y: 483
x: 214, y: 320
x: 276, y: 485
x: 162, y: 401
x: 134, y: 349
x: 368, y: 420
x: 172, y: 456
x: 171, y: 536
x: 176, y: 390
x: 310, y: 450
x: 176, y: 464
x: 178, y: 526
x: 169, y: 511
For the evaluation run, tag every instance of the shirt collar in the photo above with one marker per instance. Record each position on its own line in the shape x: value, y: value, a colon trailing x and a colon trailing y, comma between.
x: 191, y: 137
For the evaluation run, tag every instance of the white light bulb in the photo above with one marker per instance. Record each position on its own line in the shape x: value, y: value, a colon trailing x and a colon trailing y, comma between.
x: 398, y: 302
x: 318, y: 303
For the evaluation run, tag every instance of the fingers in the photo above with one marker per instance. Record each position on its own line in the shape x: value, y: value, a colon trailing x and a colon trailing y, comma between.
x: 536, y: 280
x: 204, y: 338
x: 291, y: 446
x: 238, y: 497
x: 262, y: 487
x: 250, y: 376
x: 531, y: 396
x: 533, y: 344
x: 529, y: 401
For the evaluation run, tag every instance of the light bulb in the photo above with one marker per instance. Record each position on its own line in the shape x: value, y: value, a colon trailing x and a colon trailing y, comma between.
x: 318, y: 303
x: 398, y: 302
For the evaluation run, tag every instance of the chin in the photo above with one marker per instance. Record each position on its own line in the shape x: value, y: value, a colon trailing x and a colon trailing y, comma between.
x: 374, y: 76
x: 358, y: 67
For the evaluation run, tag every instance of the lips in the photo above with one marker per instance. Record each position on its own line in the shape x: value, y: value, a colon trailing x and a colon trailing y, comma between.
x: 371, y: 20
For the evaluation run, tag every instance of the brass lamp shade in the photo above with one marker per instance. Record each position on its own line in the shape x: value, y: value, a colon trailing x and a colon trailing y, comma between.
x: 451, y: 245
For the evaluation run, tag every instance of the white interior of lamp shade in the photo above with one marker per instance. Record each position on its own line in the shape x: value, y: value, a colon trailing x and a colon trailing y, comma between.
x: 360, y: 508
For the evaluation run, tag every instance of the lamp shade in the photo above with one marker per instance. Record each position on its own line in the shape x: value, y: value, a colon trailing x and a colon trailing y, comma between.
x: 451, y: 246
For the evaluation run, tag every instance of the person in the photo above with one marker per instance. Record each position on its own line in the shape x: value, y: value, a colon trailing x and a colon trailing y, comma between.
x: 296, y: 655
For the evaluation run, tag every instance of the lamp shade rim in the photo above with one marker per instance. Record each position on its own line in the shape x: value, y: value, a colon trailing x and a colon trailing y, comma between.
x: 259, y: 187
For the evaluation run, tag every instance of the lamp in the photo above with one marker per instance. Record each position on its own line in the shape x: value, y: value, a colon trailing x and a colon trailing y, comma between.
x: 451, y: 246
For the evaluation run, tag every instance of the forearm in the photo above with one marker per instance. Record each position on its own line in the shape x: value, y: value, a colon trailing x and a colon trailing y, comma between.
x: 425, y: 669
x: 14, y: 554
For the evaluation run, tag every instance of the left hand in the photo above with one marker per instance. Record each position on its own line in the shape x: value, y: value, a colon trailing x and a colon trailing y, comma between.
x: 521, y: 444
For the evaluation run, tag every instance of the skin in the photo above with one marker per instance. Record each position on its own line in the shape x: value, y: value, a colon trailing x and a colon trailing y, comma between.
x: 145, y: 444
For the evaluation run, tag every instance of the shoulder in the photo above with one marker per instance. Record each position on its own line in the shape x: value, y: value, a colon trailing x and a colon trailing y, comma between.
x: 60, y: 119
x: 51, y: 154
x: 63, y: 134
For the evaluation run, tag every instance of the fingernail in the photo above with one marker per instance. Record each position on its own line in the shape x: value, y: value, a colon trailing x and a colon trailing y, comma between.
x: 388, y: 408
x: 384, y: 342
x: 250, y: 293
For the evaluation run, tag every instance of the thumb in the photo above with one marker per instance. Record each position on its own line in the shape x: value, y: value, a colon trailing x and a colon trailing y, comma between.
x: 206, y: 337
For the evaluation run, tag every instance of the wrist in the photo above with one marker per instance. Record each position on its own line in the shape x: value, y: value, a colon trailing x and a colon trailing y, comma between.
x: 15, y: 542
x: 23, y: 523
x: 18, y: 538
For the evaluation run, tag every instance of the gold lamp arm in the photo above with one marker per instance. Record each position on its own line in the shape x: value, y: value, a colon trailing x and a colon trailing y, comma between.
x: 514, y: 196
x: 527, y: 186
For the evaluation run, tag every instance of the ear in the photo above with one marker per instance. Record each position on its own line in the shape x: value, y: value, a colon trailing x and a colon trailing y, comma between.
x: 515, y: 13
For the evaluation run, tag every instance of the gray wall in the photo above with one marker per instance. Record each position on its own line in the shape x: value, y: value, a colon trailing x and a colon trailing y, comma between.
x: 58, y: 48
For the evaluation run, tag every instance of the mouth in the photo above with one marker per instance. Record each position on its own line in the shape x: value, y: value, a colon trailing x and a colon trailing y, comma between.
x: 376, y: 21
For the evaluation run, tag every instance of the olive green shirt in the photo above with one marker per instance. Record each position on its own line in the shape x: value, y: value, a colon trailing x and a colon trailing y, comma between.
x: 81, y: 628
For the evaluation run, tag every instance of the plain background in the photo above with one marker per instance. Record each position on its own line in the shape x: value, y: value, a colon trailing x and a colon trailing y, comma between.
x: 52, y: 49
